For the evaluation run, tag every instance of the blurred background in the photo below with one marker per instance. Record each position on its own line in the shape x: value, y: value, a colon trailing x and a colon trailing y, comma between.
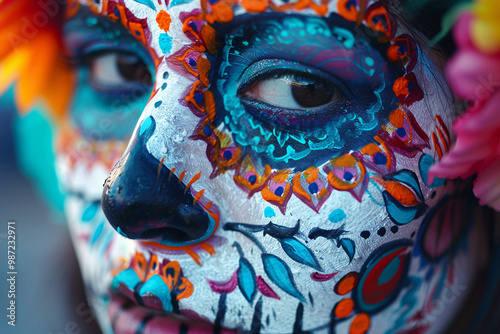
x: 50, y: 296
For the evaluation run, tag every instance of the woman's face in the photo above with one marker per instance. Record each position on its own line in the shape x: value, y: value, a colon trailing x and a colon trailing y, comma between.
x: 276, y: 177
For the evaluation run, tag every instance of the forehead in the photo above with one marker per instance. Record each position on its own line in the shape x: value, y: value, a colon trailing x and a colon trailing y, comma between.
x: 165, y: 26
x: 375, y: 13
x: 321, y: 7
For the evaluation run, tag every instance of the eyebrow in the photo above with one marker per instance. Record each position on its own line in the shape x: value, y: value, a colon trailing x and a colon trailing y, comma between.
x: 85, y: 17
x: 334, y: 21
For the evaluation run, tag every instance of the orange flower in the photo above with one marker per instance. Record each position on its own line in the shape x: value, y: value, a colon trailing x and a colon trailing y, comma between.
x: 164, y: 20
x: 30, y: 56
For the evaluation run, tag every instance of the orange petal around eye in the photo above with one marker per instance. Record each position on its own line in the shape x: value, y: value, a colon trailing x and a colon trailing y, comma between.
x: 209, y: 104
x: 269, y: 196
x: 222, y: 12
x: 137, y: 31
x: 72, y: 7
x: 393, y: 53
x: 350, y: 14
x: 346, y: 160
x: 380, y: 11
x: 255, y: 6
x: 297, y: 187
x: 281, y: 176
x: 203, y: 66
x: 208, y: 36
x: 311, y: 174
x: 397, y: 118
x: 370, y: 149
x: 401, y: 87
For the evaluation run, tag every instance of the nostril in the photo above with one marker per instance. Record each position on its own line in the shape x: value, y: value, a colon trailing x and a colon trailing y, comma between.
x: 143, y: 199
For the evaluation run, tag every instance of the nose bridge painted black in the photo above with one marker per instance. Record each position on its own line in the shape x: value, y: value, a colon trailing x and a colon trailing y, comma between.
x: 143, y: 199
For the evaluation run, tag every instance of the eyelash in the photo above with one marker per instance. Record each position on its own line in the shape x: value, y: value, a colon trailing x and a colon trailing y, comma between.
x: 280, y: 73
x: 293, y: 120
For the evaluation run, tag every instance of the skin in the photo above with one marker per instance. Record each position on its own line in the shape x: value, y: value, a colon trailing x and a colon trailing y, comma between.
x: 320, y: 202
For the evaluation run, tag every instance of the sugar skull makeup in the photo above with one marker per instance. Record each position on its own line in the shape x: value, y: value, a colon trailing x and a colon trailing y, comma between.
x: 276, y: 179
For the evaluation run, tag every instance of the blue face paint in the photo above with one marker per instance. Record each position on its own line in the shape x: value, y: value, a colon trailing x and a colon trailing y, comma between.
x: 337, y: 216
x: 114, y: 74
x: 339, y: 87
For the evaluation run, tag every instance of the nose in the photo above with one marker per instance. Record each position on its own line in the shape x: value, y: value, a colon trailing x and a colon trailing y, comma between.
x: 143, y: 199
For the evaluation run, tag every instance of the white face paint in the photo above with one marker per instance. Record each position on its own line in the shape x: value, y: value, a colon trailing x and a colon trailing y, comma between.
x: 276, y: 180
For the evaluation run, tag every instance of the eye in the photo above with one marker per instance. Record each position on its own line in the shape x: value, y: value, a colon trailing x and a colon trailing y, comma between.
x: 291, y: 96
x: 117, y: 70
x: 294, y: 91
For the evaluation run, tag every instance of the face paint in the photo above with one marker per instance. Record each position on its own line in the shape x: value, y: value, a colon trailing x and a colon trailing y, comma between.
x: 276, y: 180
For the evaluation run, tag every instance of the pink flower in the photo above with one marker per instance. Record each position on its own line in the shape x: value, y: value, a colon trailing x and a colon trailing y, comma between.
x: 474, y: 76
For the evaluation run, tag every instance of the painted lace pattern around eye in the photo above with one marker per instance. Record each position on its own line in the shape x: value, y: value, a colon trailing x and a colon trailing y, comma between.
x: 258, y: 152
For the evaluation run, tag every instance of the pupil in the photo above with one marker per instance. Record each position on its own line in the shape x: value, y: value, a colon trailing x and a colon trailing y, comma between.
x: 134, y: 70
x: 312, y: 95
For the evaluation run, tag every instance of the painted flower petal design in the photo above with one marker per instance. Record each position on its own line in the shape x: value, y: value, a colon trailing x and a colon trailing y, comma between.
x: 403, y: 198
x: 249, y: 179
x: 379, y: 158
x: 278, y: 190
x: 408, y: 90
x: 346, y: 173
x: 403, y: 135
x: 403, y: 49
x: 312, y: 188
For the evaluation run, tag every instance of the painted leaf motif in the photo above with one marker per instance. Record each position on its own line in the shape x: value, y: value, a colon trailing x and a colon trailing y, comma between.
x: 246, y: 280
x: 280, y: 274
x: 349, y: 247
x: 299, y: 252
